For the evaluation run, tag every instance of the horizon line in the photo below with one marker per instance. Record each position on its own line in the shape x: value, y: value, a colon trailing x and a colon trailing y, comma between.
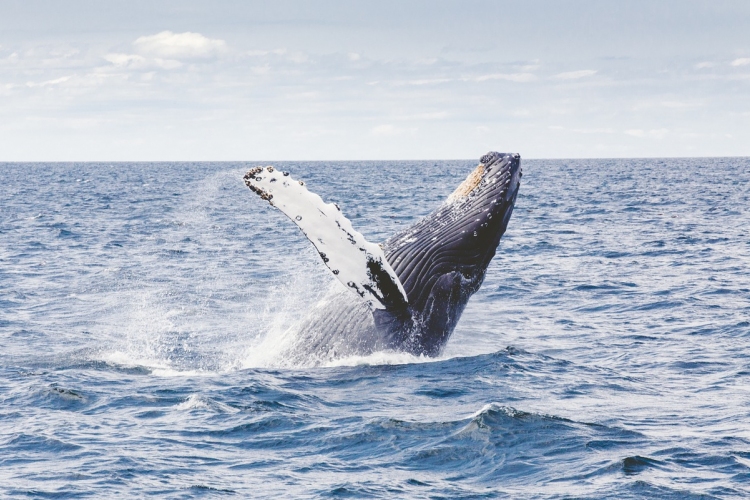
x: 2, y: 162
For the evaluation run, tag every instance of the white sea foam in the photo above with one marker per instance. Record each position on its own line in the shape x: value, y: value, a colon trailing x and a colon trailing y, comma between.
x: 381, y: 358
x: 155, y: 366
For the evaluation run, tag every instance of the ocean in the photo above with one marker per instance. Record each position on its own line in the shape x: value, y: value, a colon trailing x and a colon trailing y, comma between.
x: 142, y: 306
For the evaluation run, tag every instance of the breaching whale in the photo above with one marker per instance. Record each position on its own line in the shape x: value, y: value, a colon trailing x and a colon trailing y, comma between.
x: 406, y: 294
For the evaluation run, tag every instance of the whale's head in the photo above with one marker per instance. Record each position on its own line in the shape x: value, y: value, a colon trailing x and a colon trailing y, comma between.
x: 441, y: 261
x: 476, y: 214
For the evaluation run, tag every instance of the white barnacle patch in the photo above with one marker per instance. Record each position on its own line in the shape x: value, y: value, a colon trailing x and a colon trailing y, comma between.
x: 354, y: 261
x: 468, y: 185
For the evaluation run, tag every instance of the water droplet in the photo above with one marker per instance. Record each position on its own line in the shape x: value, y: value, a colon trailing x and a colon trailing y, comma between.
x: 299, y: 217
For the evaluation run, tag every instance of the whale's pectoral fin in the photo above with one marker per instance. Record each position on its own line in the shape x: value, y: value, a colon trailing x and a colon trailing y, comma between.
x: 357, y: 263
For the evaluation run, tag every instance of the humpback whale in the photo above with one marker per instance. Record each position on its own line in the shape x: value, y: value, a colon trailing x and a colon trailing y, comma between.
x: 406, y: 294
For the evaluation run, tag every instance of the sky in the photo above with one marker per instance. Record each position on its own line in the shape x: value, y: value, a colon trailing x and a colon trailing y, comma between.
x: 85, y: 80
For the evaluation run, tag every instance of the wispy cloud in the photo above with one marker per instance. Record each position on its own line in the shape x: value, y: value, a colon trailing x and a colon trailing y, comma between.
x: 680, y: 104
x: 437, y: 115
x: 583, y: 130
x: 179, y: 45
x: 575, y: 75
x: 388, y: 130
x: 511, y: 77
x: 124, y: 60
x: 429, y: 81
x: 134, y: 61
x: 47, y: 83
x: 653, y: 133
x: 165, y: 50
x: 742, y: 61
x: 383, y: 130
x: 256, y: 53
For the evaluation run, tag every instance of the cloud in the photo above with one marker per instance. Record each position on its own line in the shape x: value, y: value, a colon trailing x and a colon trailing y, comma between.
x: 164, y: 49
x: 298, y: 57
x: 511, y: 77
x: 257, y: 53
x: 389, y: 130
x: 134, y: 61
x: 680, y: 104
x: 583, y: 130
x: 704, y: 64
x: 743, y: 61
x: 653, y: 133
x: 47, y: 83
x: 429, y: 81
x: 437, y: 115
x: 381, y: 130
x: 575, y: 75
x: 125, y: 60
x: 12, y: 58
x: 186, y: 45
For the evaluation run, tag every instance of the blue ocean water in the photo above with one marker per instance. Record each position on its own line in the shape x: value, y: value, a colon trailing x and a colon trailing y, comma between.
x: 142, y: 306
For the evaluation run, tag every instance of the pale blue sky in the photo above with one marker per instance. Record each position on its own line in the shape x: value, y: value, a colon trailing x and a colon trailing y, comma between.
x: 345, y: 80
